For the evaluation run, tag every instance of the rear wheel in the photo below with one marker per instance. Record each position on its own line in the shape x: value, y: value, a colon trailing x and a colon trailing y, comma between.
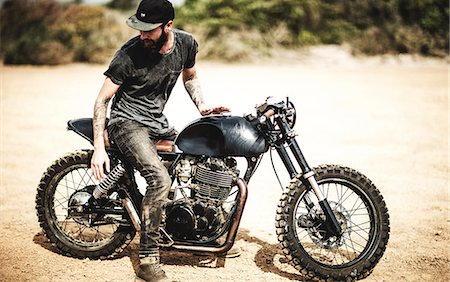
x: 85, y: 235
x: 361, y: 212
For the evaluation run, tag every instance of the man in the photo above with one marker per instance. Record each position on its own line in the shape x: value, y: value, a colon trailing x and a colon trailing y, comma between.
x: 141, y: 77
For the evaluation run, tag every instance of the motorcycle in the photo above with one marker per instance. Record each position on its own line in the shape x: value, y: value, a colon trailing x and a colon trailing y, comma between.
x: 331, y: 221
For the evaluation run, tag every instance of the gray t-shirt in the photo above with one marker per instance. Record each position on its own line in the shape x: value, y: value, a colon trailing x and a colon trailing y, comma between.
x: 146, y: 80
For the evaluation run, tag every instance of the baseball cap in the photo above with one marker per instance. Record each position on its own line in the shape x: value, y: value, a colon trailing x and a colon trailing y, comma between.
x: 151, y: 14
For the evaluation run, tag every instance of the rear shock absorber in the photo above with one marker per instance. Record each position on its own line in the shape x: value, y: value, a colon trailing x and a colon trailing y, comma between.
x: 106, y: 184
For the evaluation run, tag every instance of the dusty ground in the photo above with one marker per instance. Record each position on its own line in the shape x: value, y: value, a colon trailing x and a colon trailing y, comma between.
x: 387, y: 117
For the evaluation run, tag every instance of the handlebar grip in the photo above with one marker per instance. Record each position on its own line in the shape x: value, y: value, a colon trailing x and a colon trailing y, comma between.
x: 269, y: 113
x: 262, y: 119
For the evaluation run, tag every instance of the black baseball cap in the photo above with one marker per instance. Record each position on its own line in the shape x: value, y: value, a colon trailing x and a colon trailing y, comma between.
x: 151, y: 14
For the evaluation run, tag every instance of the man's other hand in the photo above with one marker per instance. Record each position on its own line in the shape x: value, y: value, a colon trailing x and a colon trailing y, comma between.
x: 214, y: 111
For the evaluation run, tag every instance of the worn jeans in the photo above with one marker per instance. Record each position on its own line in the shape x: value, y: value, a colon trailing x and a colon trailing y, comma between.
x: 134, y: 141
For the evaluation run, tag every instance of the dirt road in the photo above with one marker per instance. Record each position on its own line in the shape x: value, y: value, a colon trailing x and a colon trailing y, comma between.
x: 386, y: 117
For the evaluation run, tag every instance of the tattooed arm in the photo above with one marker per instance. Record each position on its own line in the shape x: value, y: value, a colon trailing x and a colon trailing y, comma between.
x: 192, y: 85
x: 100, y: 158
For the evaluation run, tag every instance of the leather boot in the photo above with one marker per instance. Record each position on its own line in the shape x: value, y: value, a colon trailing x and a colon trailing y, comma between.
x: 150, y: 270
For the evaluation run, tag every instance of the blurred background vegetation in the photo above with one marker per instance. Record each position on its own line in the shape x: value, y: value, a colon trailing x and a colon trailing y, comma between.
x: 56, y: 32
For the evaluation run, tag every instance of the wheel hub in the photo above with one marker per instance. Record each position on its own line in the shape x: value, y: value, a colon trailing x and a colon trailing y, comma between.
x: 314, y: 223
x: 79, y: 206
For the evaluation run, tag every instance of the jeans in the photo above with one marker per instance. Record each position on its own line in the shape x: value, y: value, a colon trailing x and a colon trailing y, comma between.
x: 134, y: 140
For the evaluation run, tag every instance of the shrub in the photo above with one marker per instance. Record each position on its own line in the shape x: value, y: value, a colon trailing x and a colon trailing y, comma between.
x: 88, y: 32
x: 46, y: 32
x: 372, y: 41
x: 373, y: 27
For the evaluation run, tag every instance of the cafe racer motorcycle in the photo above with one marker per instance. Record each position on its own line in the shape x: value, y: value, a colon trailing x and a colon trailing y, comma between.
x: 331, y: 221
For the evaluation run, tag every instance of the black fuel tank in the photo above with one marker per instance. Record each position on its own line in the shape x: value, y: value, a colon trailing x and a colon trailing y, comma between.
x: 221, y: 136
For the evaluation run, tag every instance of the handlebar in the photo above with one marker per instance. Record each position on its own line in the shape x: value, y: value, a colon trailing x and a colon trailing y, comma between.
x: 266, y: 110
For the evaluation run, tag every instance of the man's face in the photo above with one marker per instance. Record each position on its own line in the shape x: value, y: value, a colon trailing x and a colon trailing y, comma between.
x: 154, y: 39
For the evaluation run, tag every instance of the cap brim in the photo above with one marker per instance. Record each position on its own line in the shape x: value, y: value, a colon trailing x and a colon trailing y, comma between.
x: 135, y: 23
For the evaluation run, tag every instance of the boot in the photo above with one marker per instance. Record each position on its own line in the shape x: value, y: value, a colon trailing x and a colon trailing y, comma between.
x: 150, y: 270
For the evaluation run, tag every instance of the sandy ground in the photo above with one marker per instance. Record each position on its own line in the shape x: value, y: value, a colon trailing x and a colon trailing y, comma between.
x: 387, y: 117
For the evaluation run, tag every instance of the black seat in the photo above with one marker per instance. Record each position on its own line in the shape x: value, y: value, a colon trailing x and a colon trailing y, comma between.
x: 83, y: 127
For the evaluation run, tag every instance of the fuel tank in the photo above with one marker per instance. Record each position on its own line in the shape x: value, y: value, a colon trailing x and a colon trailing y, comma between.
x: 221, y: 136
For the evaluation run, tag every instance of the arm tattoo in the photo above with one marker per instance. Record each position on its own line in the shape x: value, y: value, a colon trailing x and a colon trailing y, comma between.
x: 195, y: 91
x: 100, y: 108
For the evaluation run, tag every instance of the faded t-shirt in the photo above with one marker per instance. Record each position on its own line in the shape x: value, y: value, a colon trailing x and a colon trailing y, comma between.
x: 146, y: 80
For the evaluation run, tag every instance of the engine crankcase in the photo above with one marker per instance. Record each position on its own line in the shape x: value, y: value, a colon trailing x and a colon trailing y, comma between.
x: 193, y: 221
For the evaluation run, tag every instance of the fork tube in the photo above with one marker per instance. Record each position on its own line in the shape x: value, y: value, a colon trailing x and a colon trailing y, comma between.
x: 293, y: 145
x: 284, y: 156
x: 287, y: 161
x: 295, y: 148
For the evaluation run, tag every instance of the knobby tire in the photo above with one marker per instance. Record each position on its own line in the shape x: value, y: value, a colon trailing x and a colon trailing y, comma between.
x: 309, y: 265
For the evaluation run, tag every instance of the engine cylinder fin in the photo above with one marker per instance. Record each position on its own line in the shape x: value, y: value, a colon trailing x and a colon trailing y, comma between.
x: 217, y: 193
x: 214, y: 178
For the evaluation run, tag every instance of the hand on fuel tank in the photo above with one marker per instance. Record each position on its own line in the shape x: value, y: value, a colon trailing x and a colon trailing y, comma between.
x: 214, y: 110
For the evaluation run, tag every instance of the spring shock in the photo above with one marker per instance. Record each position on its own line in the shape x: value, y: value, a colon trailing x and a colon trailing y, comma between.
x: 103, y: 187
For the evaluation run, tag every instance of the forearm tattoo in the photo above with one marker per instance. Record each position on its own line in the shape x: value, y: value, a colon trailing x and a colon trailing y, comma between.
x: 100, y: 108
x: 193, y: 88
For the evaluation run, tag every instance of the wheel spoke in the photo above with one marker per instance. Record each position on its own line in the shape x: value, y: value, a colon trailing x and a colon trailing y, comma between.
x: 67, y: 189
x: 59, y: 203
x: 73, y: 180
x: 346, y: 246
x: 304, y: 236
x: 356, y: 231
x: 62, y: 196
x: 353, y: 243
x: 352, y: 246
x: 70, y: 184
x: 82, y: 181
x: 341, y: 201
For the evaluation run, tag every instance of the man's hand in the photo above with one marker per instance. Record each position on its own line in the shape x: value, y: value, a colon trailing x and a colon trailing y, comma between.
x: 99, y: 162
x: 192, y: 85
x: 214, y: 111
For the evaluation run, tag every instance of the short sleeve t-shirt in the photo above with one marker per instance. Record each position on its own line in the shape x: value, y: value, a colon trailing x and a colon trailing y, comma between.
x: 146, y: 80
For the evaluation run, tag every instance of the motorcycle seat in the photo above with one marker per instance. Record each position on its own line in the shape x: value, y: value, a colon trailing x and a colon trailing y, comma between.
x: 83, y: 127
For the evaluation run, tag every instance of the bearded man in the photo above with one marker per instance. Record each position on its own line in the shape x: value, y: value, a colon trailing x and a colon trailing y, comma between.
x: 141, y: 77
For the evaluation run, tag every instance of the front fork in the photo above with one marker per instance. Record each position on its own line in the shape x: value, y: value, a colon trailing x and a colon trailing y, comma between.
x: 308, y: 176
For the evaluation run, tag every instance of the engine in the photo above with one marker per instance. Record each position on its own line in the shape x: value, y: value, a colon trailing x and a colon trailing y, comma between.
x: 203, y: 203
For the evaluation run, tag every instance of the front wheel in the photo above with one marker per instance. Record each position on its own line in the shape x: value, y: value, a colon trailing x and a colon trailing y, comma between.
x: 361, y: 212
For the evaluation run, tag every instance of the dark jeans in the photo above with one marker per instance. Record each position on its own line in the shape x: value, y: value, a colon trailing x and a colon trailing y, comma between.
x: 134, y: 142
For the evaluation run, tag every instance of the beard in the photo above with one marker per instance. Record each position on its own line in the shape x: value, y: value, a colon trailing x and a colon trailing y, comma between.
x: 154, y: 46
